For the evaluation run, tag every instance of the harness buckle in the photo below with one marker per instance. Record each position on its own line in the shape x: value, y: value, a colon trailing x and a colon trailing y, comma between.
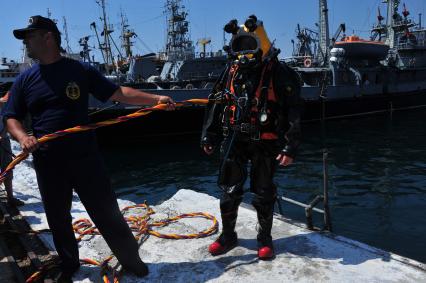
x: 245, y: 128
x: 225, y: 131
x: 255, y: 102
x: 241, y: 102
x: 225, y: 113
x: 255, y: 135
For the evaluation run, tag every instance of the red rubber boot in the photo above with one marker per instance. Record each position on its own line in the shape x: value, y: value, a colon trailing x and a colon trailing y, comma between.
x: 223, y: 245
x: 265, y: 253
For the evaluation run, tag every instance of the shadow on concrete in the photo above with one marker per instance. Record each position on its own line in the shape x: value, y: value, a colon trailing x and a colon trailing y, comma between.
x: 244, y: 255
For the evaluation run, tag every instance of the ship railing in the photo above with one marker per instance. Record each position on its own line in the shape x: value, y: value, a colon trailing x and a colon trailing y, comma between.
x: 301, y: 57
x: 8, y: 74
x: 410, y: 45
x: 404, y: 23
x: 208, y: 54
x: 197, y: 75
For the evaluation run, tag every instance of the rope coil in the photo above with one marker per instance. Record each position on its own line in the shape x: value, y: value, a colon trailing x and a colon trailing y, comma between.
x: 141, y: 226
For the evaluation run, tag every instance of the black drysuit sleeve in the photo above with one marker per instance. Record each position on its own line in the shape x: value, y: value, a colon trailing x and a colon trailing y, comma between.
x: 211, y: 133
x: 288, y: 87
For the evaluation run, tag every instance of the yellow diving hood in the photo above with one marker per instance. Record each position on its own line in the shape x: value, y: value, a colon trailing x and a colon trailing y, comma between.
x: 248, y: 39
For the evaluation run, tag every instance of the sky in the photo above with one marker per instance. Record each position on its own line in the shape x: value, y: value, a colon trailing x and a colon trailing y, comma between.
x: 206, y: 17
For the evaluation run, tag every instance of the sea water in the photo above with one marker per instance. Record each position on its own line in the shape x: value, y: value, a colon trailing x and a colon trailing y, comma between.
x: 376, y: 171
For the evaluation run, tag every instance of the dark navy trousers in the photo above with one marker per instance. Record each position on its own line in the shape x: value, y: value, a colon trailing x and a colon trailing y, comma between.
x: 58, y: 174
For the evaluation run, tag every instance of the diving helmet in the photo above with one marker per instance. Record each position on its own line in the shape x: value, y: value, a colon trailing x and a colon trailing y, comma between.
x: 249, y: 44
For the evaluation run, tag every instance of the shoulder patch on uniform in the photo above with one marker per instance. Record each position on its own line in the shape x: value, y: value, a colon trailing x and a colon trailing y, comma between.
x: 73, y: 91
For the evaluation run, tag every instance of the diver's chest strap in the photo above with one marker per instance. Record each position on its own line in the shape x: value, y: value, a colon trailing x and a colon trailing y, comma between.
x: 259, y: 106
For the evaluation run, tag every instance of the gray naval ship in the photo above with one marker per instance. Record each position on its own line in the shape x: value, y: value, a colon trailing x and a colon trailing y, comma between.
x: 183, y: 67
x: 342, y: 76
x: 178, y: 66
x: 353, y: 76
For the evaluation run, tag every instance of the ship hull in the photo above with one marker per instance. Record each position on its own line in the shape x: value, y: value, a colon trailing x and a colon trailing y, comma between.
x: 317, y: 110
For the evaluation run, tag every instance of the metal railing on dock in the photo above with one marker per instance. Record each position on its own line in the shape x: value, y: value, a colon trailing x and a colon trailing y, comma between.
x: 311, y: 207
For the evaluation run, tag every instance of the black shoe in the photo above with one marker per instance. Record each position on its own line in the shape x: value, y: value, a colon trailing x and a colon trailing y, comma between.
x: 15, y: 202
x: 140, y: 269
x: 68, y: 272
x: 62, y: 275
x: 64, y: 278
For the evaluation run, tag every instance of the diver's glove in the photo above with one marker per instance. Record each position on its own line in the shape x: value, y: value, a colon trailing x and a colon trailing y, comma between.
x: 207, y: 145
x: 205, y: 141
x: 289, y: 151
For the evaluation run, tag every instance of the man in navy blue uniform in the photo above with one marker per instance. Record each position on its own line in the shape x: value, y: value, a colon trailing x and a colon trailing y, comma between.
x: 55, y: 94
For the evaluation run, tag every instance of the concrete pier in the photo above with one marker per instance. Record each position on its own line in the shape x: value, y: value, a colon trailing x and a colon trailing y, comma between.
x: 302, y: 255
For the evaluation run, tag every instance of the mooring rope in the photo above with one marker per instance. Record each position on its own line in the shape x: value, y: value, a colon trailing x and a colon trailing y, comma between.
x: 141, y: 112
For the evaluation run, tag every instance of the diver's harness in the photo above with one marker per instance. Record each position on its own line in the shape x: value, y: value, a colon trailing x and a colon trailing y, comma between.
x: 252, y: 116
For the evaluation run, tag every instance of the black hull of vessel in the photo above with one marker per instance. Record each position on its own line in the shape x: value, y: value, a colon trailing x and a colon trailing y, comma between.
x: 188, y: 120
x: 155, y: 126
x: 360, y: 106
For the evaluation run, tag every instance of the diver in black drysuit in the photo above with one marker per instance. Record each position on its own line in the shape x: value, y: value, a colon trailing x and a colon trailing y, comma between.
x: 254, y: 114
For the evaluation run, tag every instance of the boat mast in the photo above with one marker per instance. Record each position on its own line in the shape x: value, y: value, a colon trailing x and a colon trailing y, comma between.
x: 93, y: 25
x: 107, y: 30
x: 68, y: 48
x: 126, y: 35
x: 392, y: 10
x: 85, y: 53
x: 379, y: 30
x: 324, y: 37
x: 49, y: 14
x: 178, y: 45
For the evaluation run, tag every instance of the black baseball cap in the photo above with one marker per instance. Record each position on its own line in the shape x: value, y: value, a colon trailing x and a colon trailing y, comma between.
x: 36, y: 23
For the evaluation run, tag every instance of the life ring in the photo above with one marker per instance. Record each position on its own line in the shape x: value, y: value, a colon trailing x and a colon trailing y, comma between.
x: 307, y: 63
x: 202, y: 55
x: 189, y: 86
